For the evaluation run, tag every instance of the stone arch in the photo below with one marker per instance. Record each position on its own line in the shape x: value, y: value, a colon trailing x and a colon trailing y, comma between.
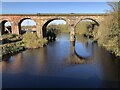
x: 20, y: 22
x: 5, y: 30
x: 87, y: 19
x: 47, y: 22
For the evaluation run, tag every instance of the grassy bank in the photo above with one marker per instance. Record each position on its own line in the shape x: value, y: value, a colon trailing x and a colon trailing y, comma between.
x: 109, y: 31
x: 12, y: 44
x: 11, y: 48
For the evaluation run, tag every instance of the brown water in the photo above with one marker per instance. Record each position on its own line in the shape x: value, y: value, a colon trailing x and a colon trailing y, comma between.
x: 56, y: 66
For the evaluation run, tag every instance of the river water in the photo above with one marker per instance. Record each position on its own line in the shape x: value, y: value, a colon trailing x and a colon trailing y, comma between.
x: 61, y: 65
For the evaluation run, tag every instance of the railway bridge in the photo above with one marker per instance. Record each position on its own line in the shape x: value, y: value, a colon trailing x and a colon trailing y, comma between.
x: 43, y: 19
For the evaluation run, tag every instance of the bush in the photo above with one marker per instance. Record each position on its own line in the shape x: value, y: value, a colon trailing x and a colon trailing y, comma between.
x: 32, y: 41
x: 12, y: 48
x: 87, y: 29
x: 109, y: 33
x: 81, y: 27
x: 57, y: 29
x: 9, y: 38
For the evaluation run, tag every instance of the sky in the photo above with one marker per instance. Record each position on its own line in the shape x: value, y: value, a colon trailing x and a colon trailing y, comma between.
x: 53, y: 7
x: 59, y: 0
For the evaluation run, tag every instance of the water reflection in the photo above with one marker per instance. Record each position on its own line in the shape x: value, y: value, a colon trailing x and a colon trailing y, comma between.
x: 56, y: 65
x: 13, y: 65
x: 80, y: 52
x: 105, y: 65
x: 74, y: 57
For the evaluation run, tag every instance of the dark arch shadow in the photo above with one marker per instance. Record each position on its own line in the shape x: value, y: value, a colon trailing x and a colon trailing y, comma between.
x: 44, y: 31
x: 4, y: 30
x: 19, y: 25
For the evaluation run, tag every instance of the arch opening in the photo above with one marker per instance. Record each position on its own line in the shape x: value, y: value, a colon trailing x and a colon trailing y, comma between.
x: 87, y: 27
x: 5, y: 27
x: 26, y: 25
x: 53, y: 27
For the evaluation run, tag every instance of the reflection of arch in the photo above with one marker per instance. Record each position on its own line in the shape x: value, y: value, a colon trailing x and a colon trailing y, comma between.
x: 74, y: 57
x: 5, y: 30
x: 96, y: 23
x: 46, y: 23
x: 19, y: 25
x: 75, y: 53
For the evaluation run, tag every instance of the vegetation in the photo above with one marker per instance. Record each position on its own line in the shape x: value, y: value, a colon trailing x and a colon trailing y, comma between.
x: 9, y: 38
x: 53, y: 30
x: 60, y: 28
x: 28, y: 27
x: 64, y: 28
x: 11, y: 48
x: 108, y: 33
x: 31, y: 40
x: 12, y: 43
x: 109, y: 30
x: 86, y: 28
x: 82, y: 27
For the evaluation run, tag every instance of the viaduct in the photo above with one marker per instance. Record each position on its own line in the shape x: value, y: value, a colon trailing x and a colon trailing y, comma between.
x: 42, y: 20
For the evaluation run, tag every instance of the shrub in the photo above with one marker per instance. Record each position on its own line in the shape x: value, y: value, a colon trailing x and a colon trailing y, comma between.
x: 32, y: 41
x: 9, y: 38
x: 109, y: 33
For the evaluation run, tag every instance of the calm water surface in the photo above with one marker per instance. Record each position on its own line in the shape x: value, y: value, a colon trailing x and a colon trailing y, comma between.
x: 56, y: 66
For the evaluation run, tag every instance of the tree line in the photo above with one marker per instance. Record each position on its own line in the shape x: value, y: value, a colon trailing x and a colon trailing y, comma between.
x: 28, y: 27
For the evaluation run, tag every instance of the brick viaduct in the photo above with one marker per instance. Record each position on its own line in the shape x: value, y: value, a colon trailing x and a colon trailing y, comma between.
x: 42, y: 20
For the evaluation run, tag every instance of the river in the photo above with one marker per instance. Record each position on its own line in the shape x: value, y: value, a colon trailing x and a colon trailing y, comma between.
x: 59, y: 65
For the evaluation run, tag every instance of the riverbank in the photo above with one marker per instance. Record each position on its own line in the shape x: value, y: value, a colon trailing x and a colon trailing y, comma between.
x: 12, y: 44
x: 10, y: 49
x: 110, y: 48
